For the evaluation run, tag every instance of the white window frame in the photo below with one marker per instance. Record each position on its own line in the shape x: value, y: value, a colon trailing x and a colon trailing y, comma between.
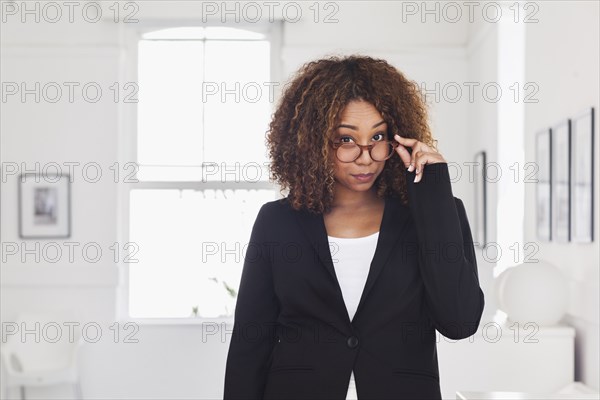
x: 130, y: 36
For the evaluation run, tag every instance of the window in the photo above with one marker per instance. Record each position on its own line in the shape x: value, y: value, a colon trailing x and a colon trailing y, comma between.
x: 205, y: 101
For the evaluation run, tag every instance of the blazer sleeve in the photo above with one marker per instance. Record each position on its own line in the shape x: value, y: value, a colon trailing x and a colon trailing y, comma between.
x: 446, y: 254
x: 255, y: 317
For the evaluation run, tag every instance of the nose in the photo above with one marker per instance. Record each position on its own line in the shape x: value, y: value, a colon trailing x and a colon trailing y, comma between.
x: 364, y: 158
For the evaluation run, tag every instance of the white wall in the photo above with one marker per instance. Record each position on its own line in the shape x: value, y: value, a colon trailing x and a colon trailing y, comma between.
x: 564, y: 63
x: 53, y: 135
x: 482, y: 120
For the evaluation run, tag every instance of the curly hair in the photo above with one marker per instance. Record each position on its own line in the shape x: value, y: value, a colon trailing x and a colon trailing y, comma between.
x: 309, y: 110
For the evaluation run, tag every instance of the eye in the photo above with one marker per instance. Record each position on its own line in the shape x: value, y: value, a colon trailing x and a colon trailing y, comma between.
x: 381, y: 136
x: 345, y: 137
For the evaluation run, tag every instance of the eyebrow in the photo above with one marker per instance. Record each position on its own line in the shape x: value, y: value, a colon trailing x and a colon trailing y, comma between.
x: 356, y: 128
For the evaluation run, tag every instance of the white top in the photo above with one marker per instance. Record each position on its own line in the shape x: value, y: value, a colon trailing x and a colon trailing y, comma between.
x: 352, y: 260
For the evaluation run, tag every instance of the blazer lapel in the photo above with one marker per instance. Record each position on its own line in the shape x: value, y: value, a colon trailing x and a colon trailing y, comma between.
x: 395, y: 218
x: 313, y: 226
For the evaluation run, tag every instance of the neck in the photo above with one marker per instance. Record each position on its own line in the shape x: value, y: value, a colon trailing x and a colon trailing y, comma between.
x: 344, y: 198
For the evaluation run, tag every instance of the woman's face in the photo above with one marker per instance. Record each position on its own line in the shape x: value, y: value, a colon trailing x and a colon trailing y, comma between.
x: 360, y: 123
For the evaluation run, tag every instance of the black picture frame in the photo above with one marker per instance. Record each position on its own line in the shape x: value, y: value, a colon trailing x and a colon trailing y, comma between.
x: 582, y: 180
x: 543, y: 187
x: 44, y: 206
x: 561, y: 181
x: 480, y: 232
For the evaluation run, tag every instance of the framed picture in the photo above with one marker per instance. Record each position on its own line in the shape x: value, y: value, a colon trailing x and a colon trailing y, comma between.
x: 582, y: 180
x: 44, y: 206
x: 543, y: 188
x: 480, y: 231
x: 561, y: 182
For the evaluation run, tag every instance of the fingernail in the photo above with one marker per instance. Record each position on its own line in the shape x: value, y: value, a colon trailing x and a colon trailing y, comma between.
x: 410, y: 168
x: 416, y: 177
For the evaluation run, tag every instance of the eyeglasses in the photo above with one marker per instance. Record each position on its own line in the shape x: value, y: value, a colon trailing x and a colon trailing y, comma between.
x: 349, y: 152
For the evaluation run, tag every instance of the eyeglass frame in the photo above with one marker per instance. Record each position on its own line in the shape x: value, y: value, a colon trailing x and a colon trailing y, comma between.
x: 362, y: 147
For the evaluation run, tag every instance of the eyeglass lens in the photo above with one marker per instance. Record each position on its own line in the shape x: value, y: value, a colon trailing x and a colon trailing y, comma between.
x: 349, y: 152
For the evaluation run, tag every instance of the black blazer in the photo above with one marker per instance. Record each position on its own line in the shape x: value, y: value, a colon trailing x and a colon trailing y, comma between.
x: 292, y: 336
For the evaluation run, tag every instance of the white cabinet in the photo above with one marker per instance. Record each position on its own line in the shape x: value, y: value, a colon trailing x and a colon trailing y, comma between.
x: 507, y: 357
x: 573, y: 391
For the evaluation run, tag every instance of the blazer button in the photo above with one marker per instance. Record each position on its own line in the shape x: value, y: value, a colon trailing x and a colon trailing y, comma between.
x: 352, y: 342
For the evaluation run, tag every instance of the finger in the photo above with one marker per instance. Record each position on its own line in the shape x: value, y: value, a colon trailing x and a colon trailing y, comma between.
x: 408, y: 142
x: 426, y: 159
x: 404, y: 155
x: 422, y: 160
x: 416, y: 154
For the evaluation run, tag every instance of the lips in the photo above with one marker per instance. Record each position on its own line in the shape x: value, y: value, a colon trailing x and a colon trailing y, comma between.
x: 363, y: 177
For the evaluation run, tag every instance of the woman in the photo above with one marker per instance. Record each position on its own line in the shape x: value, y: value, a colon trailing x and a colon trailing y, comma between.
x: 346, y: 279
